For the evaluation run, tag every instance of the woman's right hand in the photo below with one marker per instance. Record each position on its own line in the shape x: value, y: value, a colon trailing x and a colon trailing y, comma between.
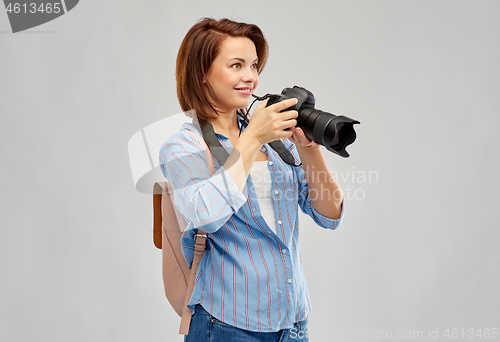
x: 268, y: 123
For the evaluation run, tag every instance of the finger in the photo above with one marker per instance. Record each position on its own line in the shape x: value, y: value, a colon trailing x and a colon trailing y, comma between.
x: 302, y: 136
x: 297, y: 139
x: 278, y: 107
x: 301, y: 133
x: 262, y: 105
x: 289, y: 114
x: 287, y: 134
x: 289, y: 124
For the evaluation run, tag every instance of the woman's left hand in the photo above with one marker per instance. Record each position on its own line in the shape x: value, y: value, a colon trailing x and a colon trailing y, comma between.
x: 300, y: 140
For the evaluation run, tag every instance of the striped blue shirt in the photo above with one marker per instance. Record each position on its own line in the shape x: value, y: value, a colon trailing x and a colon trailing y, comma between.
x: 249, y: 277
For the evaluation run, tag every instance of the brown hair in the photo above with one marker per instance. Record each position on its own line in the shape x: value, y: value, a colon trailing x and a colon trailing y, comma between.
x: 197, y: 52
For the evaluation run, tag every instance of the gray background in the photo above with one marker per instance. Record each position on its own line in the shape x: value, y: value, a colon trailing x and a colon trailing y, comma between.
x: 418, y: 249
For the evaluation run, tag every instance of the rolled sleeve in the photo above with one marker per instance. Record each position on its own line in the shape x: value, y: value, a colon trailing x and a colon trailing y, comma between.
x: 206, y: 201
x: 324, y: 221
x: 307, y: 208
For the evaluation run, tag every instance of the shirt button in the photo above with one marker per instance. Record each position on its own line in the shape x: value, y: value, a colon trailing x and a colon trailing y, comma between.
x: 264, y: 149
x: 270, y: 163
x: 284, y: 251
x: 289, y: 281
x: 279, y: 222
x: 276, y: 192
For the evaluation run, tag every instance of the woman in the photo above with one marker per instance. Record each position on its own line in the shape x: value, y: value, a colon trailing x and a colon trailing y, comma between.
x: 250, y: 285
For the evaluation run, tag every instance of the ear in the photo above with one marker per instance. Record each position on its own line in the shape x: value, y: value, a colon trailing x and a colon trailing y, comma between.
x: 205, y: 76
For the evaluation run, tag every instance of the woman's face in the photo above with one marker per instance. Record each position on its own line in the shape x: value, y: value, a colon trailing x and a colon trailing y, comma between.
x: 233, y: 74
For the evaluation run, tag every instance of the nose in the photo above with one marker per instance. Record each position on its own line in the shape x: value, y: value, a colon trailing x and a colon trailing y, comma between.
x: 250, y: 75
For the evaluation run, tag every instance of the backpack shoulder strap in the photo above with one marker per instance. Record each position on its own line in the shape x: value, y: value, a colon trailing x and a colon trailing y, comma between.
x: 210, y: 162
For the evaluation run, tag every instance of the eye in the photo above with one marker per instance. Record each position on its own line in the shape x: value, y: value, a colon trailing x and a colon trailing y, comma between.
x: 254, y: 66
x: 236, y: 65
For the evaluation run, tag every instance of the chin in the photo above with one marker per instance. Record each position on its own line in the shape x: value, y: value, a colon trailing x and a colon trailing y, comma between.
x: 240, y: 104
x: 244, y: 104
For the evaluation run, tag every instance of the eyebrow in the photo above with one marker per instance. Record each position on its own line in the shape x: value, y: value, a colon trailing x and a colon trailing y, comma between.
x: 242, y: 60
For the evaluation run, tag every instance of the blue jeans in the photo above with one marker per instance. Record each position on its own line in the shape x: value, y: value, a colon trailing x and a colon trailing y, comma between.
x: 206, y: 328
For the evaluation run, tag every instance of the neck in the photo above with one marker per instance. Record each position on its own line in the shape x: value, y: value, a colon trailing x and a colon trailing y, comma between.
x: 226, y: 123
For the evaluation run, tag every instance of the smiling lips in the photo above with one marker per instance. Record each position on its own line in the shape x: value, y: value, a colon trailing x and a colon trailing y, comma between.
x: 245, y: 91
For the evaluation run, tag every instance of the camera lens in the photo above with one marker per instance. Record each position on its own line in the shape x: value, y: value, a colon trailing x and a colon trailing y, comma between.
x: 332, y: 131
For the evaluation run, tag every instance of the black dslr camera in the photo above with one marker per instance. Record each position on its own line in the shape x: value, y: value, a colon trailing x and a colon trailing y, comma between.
x: 335, y: 132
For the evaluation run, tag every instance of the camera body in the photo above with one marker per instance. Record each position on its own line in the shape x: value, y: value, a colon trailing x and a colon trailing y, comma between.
x: 335, y: 132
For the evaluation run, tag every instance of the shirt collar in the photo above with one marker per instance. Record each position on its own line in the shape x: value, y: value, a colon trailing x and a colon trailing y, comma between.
x: 242, y: 122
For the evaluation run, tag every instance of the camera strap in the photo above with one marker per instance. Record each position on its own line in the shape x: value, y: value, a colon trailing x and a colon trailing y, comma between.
x: 284, y: 153
x: 221, y: 154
